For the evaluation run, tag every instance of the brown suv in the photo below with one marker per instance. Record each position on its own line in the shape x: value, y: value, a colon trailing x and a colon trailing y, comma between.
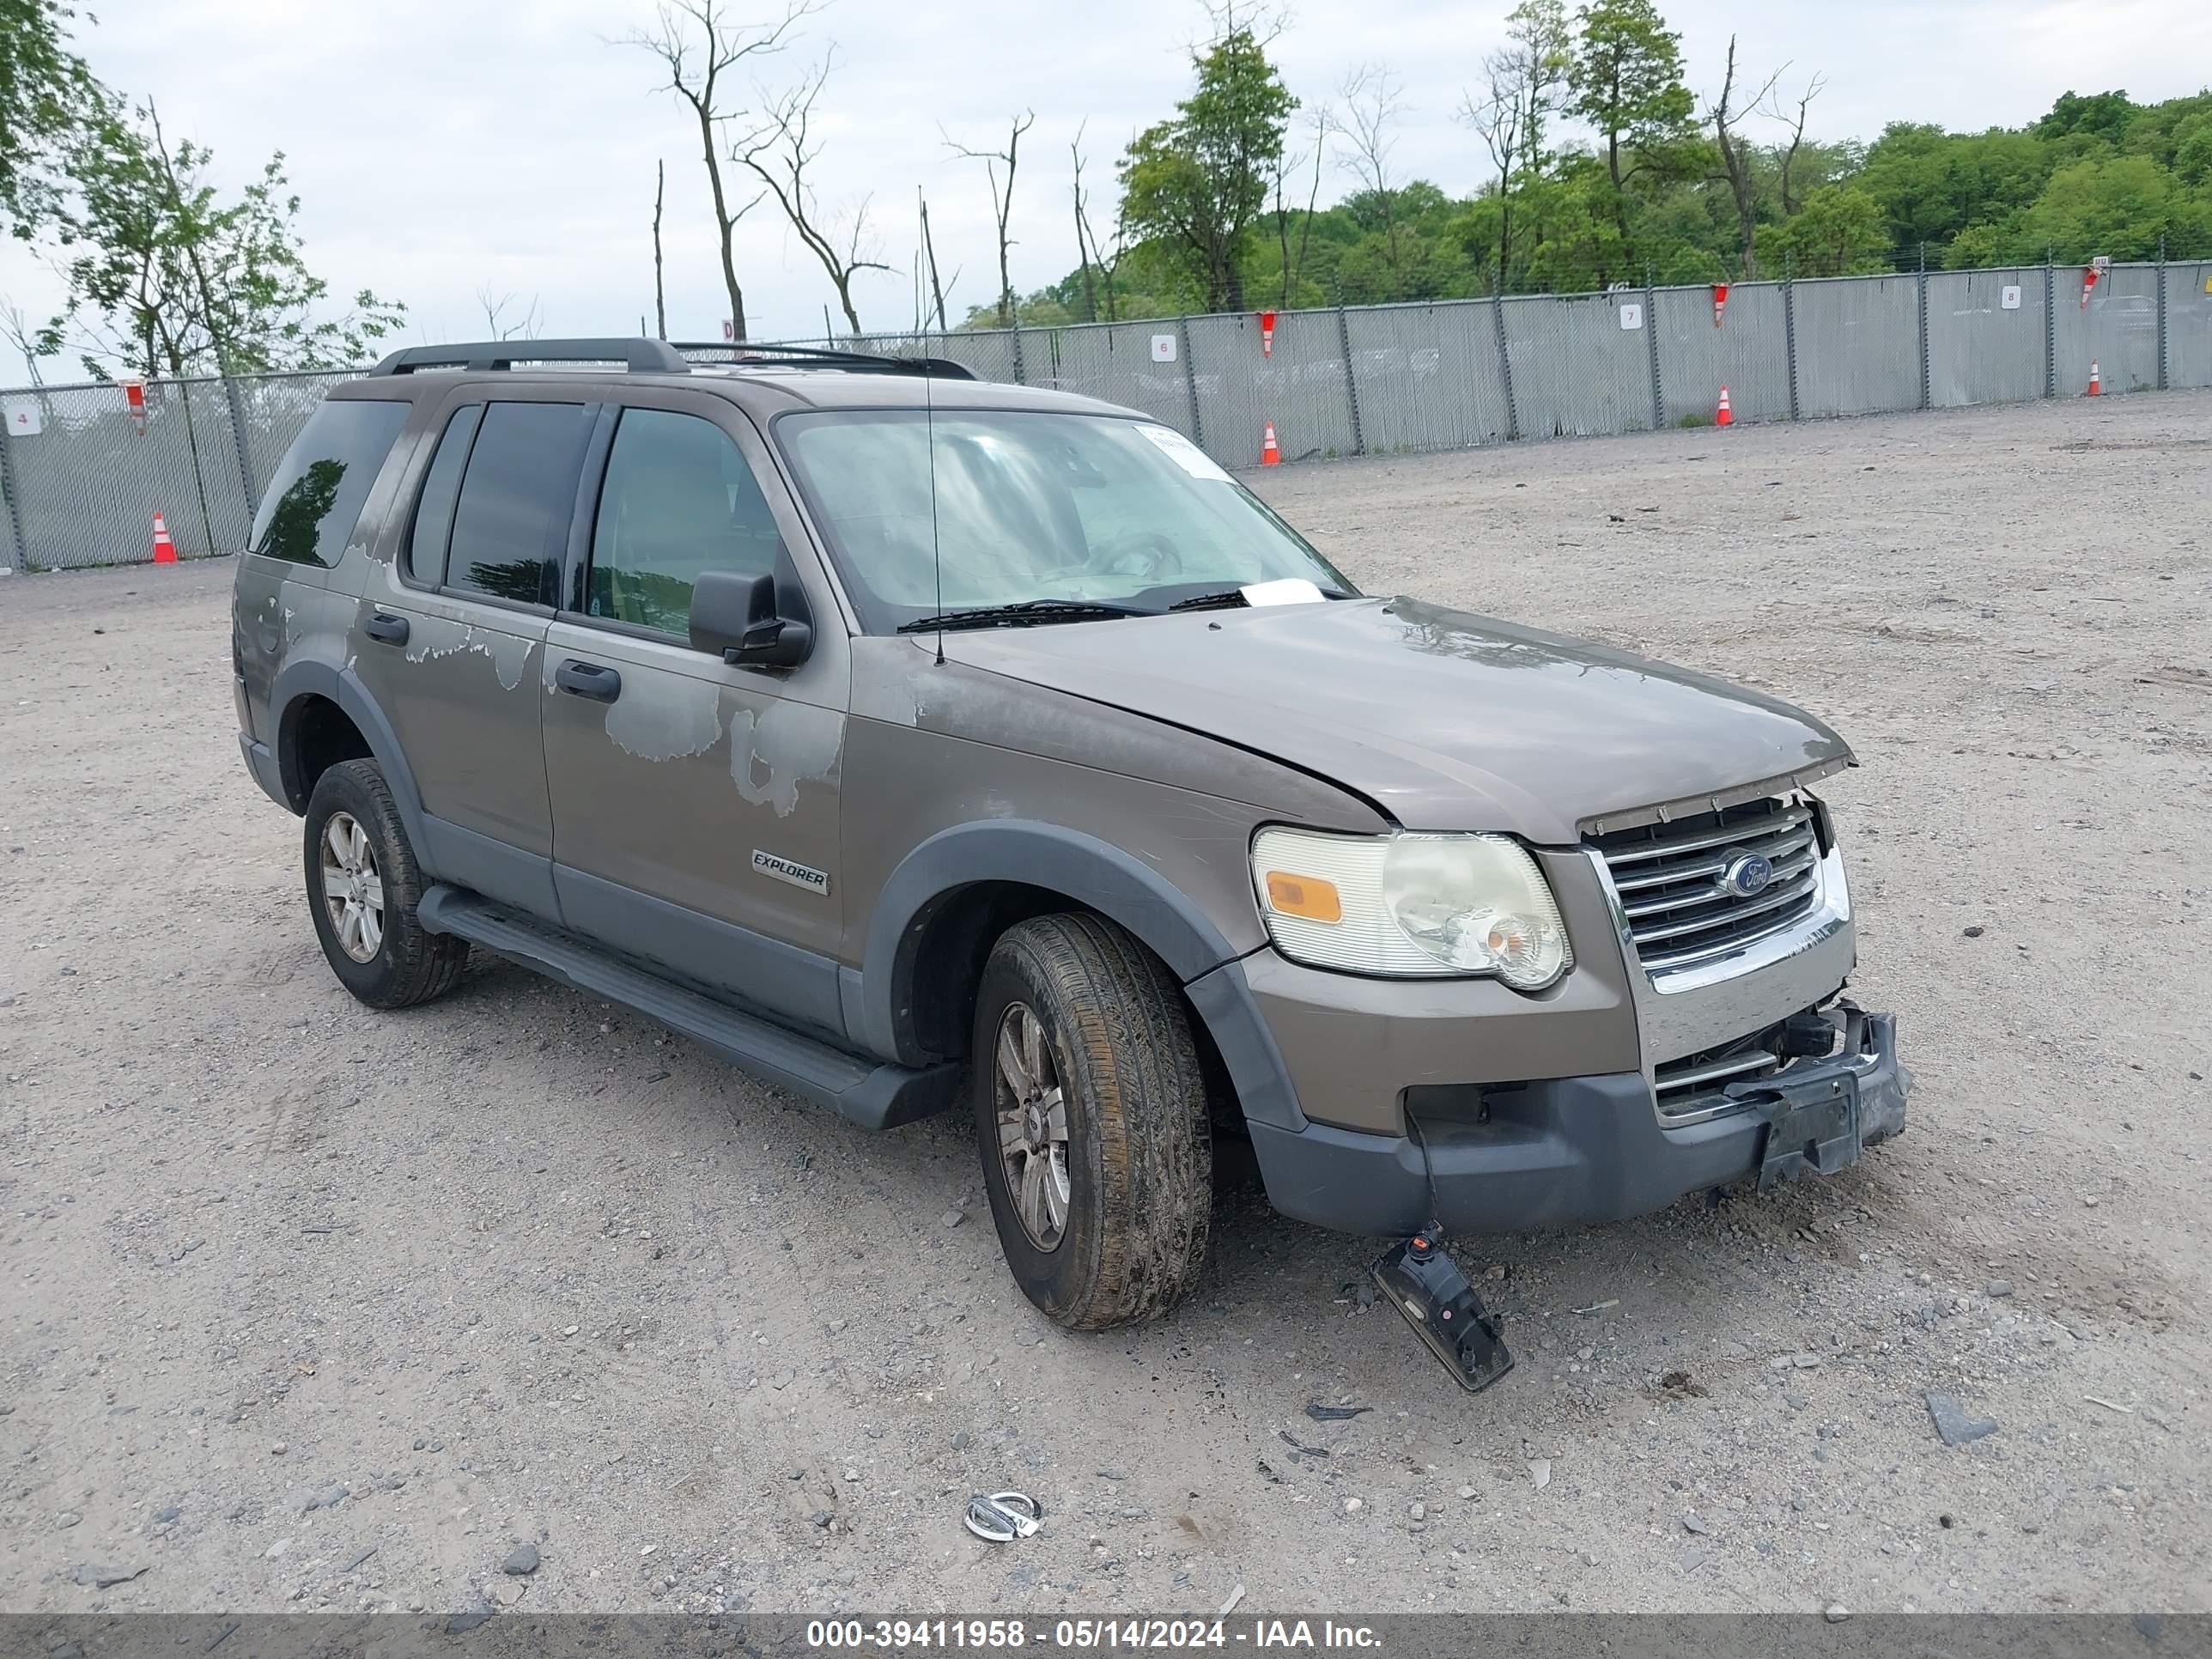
x: 918, y: 741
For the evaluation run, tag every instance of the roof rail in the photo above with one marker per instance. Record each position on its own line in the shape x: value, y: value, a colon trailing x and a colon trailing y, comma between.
x: 638, y: 356
x: 857, y: 362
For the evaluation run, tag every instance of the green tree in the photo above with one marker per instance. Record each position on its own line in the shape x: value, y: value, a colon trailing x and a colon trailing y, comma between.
x: 1978, y: 246
x: 1932, y: 185
x: 2192, y: 155
x: 2101, y: 115
x: 2122, y: 207
x: 46, y: 93
x: 1579, y: 239
x: 1199, y: 182
x: 1840, y: 231
x: 1626, y: 82
x: 168, y: 276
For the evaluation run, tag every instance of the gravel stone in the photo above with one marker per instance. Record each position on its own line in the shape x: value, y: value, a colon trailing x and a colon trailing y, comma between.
x: 1954, y: 1423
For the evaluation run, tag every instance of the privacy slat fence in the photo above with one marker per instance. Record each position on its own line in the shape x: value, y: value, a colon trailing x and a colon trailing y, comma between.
x: 81, y: 482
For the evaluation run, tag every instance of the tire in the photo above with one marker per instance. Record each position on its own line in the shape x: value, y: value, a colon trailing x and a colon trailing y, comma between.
x: 394, y: 963
x: 1137, y: 1155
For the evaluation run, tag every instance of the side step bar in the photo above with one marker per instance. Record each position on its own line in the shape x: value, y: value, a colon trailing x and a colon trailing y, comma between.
x: 862, y: 1091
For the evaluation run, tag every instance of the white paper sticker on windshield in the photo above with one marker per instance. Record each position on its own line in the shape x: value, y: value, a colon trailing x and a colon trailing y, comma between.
x: 1184, y: 453
x: 1286, y: 590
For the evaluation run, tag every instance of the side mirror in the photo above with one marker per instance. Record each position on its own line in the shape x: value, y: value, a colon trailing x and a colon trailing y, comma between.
x: 754, y: 621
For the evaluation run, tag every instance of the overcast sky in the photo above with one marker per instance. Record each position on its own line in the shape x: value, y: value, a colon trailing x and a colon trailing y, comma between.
x: 444, y: 146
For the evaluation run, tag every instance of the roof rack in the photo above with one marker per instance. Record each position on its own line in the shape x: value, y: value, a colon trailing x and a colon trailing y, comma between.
x: 638, y: 356
x: 856, y: 362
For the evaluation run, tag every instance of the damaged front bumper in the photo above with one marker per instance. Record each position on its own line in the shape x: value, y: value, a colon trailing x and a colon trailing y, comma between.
x: 1570, y: 1150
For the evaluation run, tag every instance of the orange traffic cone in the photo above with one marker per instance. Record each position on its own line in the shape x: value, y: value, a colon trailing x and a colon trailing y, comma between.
x: 165, y: 550
x: 1722, y: 417
x: 1271, y: 452
x: 2096, y: 385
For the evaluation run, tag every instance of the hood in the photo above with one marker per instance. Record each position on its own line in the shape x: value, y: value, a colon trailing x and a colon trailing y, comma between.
x: 1446, y: 720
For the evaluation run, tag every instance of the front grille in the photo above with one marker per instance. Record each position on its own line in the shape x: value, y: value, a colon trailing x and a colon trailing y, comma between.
x: 1669, y: 877
x: 1695, y: 1085
x: 1691, y: 1084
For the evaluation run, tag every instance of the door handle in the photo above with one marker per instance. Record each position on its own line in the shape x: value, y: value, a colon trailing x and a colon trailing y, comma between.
x: 588, y: 679
x: 392, y: 630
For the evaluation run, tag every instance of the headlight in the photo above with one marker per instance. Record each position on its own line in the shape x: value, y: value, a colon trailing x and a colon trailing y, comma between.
x: 1409, y: 905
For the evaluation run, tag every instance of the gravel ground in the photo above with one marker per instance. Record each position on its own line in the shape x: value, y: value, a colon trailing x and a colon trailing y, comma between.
x: 306, y: 1306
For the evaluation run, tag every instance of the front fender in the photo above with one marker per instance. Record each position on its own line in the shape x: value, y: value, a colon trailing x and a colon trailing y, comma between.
x: 1097, y: 875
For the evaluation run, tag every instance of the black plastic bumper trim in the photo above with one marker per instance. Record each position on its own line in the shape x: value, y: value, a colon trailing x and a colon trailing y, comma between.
x: 1560, y: 1153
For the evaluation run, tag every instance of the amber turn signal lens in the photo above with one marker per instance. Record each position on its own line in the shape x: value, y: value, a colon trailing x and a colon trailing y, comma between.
x: 1304, y: 896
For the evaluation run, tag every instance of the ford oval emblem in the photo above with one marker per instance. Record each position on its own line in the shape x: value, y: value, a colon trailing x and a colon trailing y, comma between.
x: 1747, y: 874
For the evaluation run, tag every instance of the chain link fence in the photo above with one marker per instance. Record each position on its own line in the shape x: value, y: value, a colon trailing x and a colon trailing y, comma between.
x: 82, y: 480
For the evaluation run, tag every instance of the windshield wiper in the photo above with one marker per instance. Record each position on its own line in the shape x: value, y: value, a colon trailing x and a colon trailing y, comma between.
x: 1227, y: 599
x: 1230, y: 598
x: 1025, y: 611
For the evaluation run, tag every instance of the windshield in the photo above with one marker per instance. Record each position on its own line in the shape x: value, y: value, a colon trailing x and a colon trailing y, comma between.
x: 1031, y: 505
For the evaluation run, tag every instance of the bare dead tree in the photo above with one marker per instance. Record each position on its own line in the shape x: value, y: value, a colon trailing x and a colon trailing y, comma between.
x: 1265, y: 22
x: 1725, y: 114
x: 660, y: 289
x: 778, y: 152
x: 1796, y: 126
x: 1286, y: 163
x: 1002, y: 200
x: 1497, y: 115
x: 501, y: 324
x: 929, y: 256
x: 1083, y: 262
x: 699, y: 43
x: 1523, y: 84
x: 1323, y: 121
x: 16, y: 330
x: 1373, y: 105
x: 1106, y: 263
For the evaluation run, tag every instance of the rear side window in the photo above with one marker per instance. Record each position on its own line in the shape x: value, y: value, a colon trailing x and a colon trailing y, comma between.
x: 512, y: 519
x: 312, y: 503
x: 434, y: 515
x: 679, y: 501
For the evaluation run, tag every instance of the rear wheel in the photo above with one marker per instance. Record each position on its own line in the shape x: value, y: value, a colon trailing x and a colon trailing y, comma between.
x: 1090, y: 1115
x: 363, y: 886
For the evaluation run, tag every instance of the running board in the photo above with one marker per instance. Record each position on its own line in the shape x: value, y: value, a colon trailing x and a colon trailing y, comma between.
x: 862, y: 1091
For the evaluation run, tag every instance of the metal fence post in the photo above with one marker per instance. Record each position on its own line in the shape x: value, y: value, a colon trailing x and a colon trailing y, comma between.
x: 1651, y: 328
x: 12, y: 487
x: 237, y: 442
x: 1351, y: 386
x: 2049, y: 327
x: 2161, y: 313
x: 1020, y: 377
x: 1790, y: 325
x: 1926, y: 398
x: 1190, y: 383
x: 1505, y: 365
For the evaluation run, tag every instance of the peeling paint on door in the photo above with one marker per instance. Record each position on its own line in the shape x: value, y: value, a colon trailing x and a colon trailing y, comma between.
x: 793, y: 743
x: 661, y: 717
x: 435, y: 637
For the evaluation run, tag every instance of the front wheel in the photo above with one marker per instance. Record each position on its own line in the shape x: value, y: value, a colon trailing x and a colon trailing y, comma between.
x: 1090, y: 1115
